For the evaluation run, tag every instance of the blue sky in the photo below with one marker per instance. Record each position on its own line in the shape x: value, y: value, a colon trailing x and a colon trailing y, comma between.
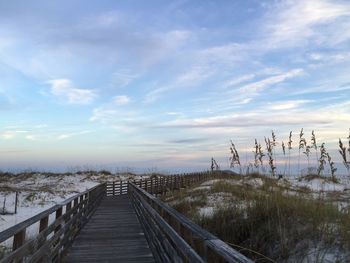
x: 167, y: 84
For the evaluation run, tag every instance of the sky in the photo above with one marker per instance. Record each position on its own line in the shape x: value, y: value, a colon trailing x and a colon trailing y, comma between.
x: 167, y: 84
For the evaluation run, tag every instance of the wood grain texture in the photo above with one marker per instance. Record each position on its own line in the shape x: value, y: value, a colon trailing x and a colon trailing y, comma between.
x: 113, y: 234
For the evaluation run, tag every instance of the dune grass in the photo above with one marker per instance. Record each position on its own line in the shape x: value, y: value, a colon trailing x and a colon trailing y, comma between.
x: 270, y: 220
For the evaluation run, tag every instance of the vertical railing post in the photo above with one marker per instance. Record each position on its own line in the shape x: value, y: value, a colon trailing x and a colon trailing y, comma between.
x: 81, y: 200
x: 58, y: 215
x: 18, y: 239
x: 151, y: 185
x: 16, y: 202
x: 44, y: 222
x: 76, y: 202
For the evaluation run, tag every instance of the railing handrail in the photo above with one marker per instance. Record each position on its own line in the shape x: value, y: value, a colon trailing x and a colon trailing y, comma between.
x: 78, y: 208
x: 11, y: 231
x: 187, y: 250
x: 70, y: 199
x: 213, y: 242
x: 52, y: 238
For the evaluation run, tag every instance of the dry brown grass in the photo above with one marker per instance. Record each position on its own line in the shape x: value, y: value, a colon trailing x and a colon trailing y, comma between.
x: 266, y: 219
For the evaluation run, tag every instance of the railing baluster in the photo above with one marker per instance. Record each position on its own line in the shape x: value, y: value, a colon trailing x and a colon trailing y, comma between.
x: 210, y: 248
x: 68, y: 208
x: 36, y: 249
x: 79, y: 208
x: 18, y: 239
x: 44, y: 222
x: 58, y: 215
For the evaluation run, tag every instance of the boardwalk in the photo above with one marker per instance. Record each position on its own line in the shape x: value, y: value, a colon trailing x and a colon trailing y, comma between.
x: 113, y: 221
x: 113, y: 234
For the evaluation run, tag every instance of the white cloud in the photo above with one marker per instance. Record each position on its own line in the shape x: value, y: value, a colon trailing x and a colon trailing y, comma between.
x: 10, y: 134
x: 287, y: 105
x: 69, y: 135
x: 155, y: 94
x: 102, y: 114
x: 121, y: 100
x: 297, y: 21
x: 31, y: 137
x: 262, y: 118
x: 175, y: 113
x: 238, y: 80
x: 259, y: 85
x: 64, y: 90
x: 40, y: 126
x: 122, y: 78
x: 330, y: 57
x: 122, y: 120
x: 192, y: 77
x: 7, y: 135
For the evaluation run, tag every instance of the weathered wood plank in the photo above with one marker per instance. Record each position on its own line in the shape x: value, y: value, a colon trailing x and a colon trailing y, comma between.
x: 113, y: 234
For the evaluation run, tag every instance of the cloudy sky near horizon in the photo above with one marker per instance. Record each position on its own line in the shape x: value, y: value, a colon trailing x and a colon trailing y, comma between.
x: 167, y: 84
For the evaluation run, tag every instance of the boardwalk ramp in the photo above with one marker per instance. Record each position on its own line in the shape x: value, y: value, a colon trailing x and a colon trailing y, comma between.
x: 113, y: 234
x: 118, y: 222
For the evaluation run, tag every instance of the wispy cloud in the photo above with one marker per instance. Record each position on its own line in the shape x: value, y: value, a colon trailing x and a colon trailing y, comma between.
x: 69, y: 135
x: 239, y: 80
x: 262, y: 84
x: 287, y: 105
x: 155, y: 94
x: 250, y: 119
x: 293, y: 22
x: 192, y: 77
x: 64, y: 90
x: 121, y: 100
x: 32, y: 137
x: 122, y: 78
x: 102, y: 114
x: 118, y: 118
x: 10, y: 134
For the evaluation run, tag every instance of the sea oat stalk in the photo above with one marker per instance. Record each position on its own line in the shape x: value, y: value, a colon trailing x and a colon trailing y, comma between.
x: 322, y: 160
x: 302, y: 143
x: 289, y: 149
x: 342, y: 152
x: 234, y: 157
x: 269, y: 148
x: 314, y: 143
x: 333, y: 168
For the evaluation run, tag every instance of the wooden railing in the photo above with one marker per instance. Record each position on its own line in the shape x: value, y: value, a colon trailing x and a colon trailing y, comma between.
x: 116, y: 188
x: 173, y: 237
x: 161, y: 184
x: 51, y: 239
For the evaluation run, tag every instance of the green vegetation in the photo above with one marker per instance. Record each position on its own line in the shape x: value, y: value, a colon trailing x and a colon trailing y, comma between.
x: 268, y: 216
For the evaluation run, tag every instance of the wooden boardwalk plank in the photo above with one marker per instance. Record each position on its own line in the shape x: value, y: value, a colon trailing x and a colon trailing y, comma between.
x: 113, y: 234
